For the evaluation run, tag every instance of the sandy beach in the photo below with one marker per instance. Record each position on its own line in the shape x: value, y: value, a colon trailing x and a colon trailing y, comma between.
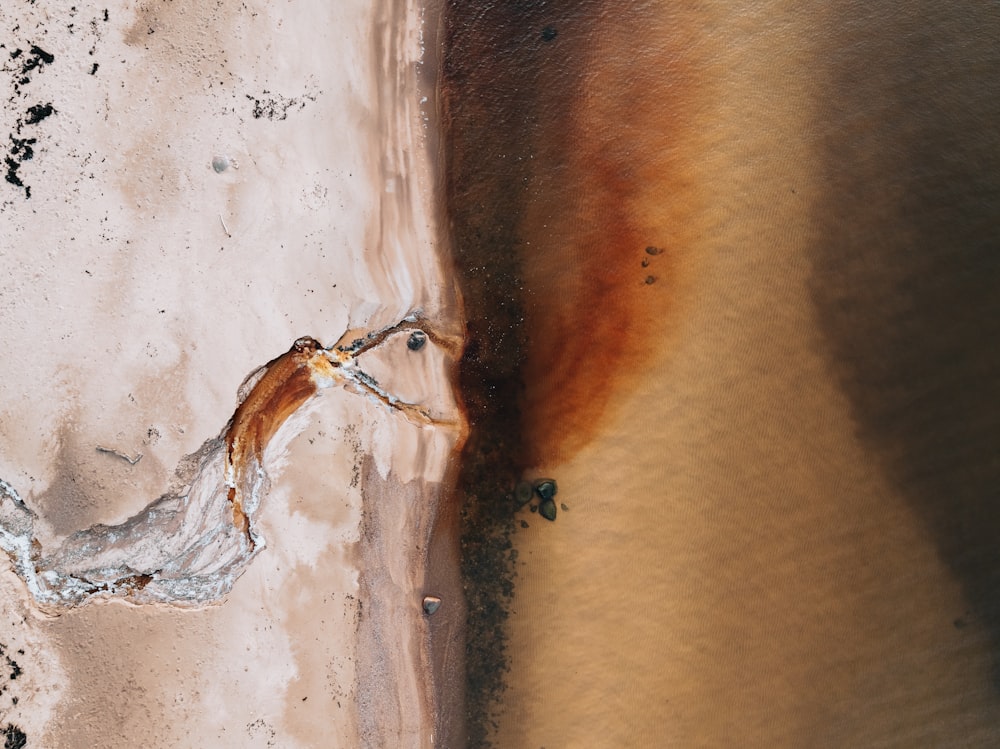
x: 191, y: 189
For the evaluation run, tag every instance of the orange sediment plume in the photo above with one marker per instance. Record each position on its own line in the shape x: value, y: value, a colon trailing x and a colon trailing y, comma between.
x: 608, y: 238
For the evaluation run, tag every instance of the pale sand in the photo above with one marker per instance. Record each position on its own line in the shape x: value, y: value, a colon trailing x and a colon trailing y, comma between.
x: 139, y: 289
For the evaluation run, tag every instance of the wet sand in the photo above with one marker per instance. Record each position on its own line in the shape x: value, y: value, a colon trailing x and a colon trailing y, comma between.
x: 777, y: 454
x: 204, y: 187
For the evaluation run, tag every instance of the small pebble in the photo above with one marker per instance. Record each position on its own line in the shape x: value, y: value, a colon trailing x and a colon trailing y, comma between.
x: 431, y: 604
x: 653, y: 250
x: 546, y: 488
x: 417, y: 340
x: 220, y: 164
x: 563, y: 507
x: 547, y: 509
x: 523, y: 493
x: 650, y: 280
x: 534, y: 508
x: 524, y: 524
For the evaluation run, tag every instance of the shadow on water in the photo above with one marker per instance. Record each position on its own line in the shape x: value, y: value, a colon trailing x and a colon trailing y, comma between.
x: 907, y: 274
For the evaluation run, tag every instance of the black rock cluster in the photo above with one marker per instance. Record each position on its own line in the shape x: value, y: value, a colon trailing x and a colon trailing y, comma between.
x: 542, y: 489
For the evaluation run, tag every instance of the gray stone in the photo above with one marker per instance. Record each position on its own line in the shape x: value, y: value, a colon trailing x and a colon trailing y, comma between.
x: 546, y: 488
x: 416, y: 340
x: 547, y: 509
x: 523, y: 493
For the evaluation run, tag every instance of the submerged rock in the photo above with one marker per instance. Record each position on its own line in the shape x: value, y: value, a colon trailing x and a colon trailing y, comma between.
x: 546, y: 488
x: 523, y: 493
x: 431, y: 604
x: 547, y: 509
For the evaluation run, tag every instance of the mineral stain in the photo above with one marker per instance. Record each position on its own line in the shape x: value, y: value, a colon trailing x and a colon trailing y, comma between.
x: 543, y: 149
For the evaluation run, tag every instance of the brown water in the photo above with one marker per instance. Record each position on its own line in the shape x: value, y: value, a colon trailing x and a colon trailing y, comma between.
x: 776, y: 434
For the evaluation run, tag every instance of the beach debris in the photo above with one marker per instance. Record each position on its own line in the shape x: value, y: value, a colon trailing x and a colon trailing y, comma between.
x: 124, y: 456
x: 224, y: 227
x: 431, y: 604
x: 220, y: 164
x: 38, y: 112
x: 523, y: 493
x: 275, y: 107
x: 13, y: 736
x: 546, y: 488
x: 547, y: 509
x: 417, y: 340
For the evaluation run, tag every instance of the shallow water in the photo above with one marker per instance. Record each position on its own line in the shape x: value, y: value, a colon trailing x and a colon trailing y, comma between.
x: 775, y: 435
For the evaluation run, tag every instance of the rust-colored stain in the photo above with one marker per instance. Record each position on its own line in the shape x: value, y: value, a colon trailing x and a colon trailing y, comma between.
x: 287, y: 383
x: 608, y: 236
x: 267, y: 399
x: 564, y: 164
x: 291, y: 379
x: 568, y: 158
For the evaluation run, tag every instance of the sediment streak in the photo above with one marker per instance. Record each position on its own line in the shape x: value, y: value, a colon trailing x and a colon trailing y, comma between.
x: 190, y: 545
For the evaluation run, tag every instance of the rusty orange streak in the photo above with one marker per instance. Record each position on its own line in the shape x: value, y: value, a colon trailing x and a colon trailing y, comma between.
x: 287, y: 383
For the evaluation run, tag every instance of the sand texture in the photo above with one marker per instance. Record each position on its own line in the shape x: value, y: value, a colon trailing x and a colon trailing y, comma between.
x: 208, y: 209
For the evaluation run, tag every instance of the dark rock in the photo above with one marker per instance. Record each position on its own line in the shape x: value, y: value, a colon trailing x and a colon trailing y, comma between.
x: 563, y: 507
x: 523, y: 493
x: 417, y: 340
x: 653, y: 251
x: 549, y: 33
x: 650, y: 280
x: 547, y: 509
x: 546, y: 488
x: 431, y: 604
